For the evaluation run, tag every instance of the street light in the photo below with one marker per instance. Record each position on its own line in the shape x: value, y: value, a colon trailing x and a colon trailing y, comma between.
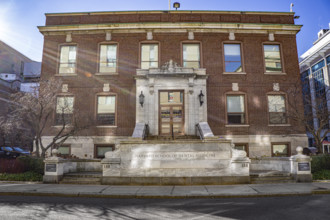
x: 201, y: 98
x: 141, y: 99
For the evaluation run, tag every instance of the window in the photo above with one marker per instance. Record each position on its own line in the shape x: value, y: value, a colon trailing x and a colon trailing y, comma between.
x: 64, y: 110
x: 276, y: 109
x: 68, y: 60
x: 241, y: 146
x: 108, y: 58
x: 149, y: 56
x: 100, y: 150
x: 233, y: 61
x: 106, y: 110
x: 280, y: 150
x: 235, y: 109
x: 272, y: 56
x: 191, y: 57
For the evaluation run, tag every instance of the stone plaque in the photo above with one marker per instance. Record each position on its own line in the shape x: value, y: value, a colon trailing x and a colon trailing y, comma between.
x: 303, y: 167
x: 50, y: 167
x: 206, y: 130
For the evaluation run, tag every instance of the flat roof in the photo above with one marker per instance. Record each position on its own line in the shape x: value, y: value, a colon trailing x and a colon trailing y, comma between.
x: 171, y: 12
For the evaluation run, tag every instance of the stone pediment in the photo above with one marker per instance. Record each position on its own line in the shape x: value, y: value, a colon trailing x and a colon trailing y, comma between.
x: 171, y: 68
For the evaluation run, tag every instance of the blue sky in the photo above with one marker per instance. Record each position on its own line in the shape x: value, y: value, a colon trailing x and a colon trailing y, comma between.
x: 19, y: 18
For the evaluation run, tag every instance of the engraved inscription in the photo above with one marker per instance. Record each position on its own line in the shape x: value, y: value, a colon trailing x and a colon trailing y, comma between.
x: 175, y: 155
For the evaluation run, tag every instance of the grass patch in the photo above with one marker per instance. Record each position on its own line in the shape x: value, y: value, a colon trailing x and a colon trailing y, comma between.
x: 27, y: 176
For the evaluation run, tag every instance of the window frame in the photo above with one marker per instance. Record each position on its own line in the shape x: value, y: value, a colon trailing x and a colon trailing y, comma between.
x: 73, y: 107
x: 140, y: 51
x: 200, y: 52
x: 288, y: 144
x: 102, y: 145
x: 246, y: 121
x: 282, y: 72
x: 96, y: 109
x: 286, y: 107
x: 59, y: 60
x: 242, y: 57
x: 99, y: 57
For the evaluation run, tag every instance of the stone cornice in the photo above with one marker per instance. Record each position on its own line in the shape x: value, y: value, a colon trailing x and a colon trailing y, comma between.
x: 168, y: 12
x: 160, y: 27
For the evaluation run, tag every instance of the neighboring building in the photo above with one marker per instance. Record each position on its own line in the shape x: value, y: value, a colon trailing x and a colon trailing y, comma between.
x: 314, y: 70
x: 31, y: 76
x: 230, y: 69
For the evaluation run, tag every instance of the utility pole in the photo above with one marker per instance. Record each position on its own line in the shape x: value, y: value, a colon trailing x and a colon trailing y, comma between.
x: 169, y: 5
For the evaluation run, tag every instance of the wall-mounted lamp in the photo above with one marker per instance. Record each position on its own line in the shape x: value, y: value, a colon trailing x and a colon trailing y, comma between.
x: 141, y: 99
x: 176, y: 5
x: 201, y: 98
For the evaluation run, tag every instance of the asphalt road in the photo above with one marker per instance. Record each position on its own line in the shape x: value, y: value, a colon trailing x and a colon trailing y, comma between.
x: 296, y: 207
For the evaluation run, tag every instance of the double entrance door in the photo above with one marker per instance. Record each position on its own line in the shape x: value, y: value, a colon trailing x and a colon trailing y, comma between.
x: 171, y: 113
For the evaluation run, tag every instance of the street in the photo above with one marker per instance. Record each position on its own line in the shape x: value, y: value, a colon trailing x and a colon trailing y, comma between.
x: 294, y: 207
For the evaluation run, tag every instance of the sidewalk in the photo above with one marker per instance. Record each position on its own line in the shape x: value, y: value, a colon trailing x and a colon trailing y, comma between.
x: 203, y: 191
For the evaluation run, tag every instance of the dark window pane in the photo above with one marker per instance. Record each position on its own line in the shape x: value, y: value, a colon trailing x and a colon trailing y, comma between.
x: 277, y: 118
x: 59, y: 119
x: 236, y: 118
x: 106, y: 119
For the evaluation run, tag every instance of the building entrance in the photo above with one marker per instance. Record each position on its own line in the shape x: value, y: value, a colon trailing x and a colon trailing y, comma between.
x: 171, y: 113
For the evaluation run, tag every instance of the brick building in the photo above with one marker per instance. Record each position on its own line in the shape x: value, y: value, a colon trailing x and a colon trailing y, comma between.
x: 229, y: 69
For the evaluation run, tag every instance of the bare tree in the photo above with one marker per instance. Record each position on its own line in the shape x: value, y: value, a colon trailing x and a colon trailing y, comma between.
x: 315, y: 115
x: 36, y: 110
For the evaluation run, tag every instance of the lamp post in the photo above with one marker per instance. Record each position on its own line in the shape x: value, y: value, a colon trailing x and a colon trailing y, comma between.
x: 176, y: 5
x: 201, y: 98
x: 141, y: 99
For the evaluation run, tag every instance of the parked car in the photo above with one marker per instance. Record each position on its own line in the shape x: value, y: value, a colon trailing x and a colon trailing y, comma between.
x: 9, y: 152
x: 310, y: 151
x: 20, y: 151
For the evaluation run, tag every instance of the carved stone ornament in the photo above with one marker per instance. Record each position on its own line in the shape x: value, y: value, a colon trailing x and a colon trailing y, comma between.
x: 191, y: 35
x: 149, y: 35
x: 276, y: 87
x: 169, y: 66
x: 271, y: 37
x: 106, y: 87
x: 68, y: 38
x: 235, y: 87
x: 231, y: 36
x: 108, y: 36
x: 65, y: 88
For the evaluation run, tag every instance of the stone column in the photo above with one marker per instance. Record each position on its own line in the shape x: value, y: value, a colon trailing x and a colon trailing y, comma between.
x: 301, y: 166
x: 240, y: 163
x: 54, y: 168
x: 111, y: 164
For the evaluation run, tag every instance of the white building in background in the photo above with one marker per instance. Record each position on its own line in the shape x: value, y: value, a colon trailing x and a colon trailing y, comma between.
x: 314, y: 69
x: 31, y: 76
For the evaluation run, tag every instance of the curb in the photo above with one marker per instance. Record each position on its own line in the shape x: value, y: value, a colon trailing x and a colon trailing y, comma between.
x: 314, y: 192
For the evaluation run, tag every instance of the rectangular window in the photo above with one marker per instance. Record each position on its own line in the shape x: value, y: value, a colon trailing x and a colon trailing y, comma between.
x: 280, y: 150
x: 68, y: 60
x: 233, y: 62
x: 235, y: 109
x: 276, y: 109
x: 191, y: 55
x: 108, y: 58
x: 149, y: 56
x: 64, y: 110
x: 100, y: 150
x: 106, y: 110
x: 272, y: 56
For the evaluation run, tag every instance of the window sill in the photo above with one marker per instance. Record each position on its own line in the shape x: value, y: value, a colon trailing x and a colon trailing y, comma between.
x: 106, y: 74
x: 237, y: 126
x: 234, y: 73
x: 106, y: 126
x: 279, y: 125
x: 275, y: 73
x: 60, y: 126
x: 67, y: 74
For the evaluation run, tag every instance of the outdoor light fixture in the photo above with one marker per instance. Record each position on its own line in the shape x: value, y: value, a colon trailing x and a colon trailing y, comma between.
x: 141, y: 99
x: 201, y: 98
x: 176, y: 5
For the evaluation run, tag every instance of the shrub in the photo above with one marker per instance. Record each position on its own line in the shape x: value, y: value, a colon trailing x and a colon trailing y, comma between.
x: 322, y: 175
x: 27, y: 176
x: 11, y: 166
x: 32, y: 164
x: 320, y: 162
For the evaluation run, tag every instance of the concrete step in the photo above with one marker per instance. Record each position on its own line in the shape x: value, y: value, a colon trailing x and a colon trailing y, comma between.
x: 84, y: 178
x: 262, y: 177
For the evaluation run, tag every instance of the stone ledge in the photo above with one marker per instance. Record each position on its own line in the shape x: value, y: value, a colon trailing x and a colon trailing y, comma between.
x: 160, y: 181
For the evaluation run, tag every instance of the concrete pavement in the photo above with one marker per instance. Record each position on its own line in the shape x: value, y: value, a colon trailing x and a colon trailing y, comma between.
x: 203, y: 191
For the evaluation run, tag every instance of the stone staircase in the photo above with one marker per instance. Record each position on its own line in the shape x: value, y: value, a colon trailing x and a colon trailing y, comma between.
x: 270, y: 176
x: 82, y: 178
x: 169, y: 138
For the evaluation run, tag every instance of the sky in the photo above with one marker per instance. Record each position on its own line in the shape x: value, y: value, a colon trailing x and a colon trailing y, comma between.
x: 19, y: 18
